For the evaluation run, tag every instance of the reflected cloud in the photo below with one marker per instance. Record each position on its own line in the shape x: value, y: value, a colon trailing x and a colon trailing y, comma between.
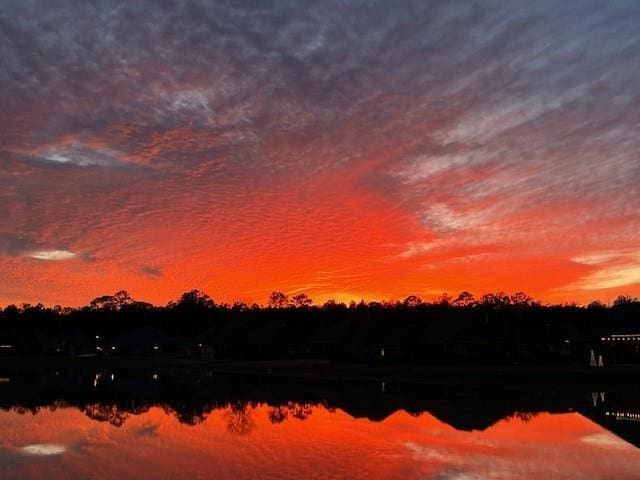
x: 453, y: 475
x: 43, y: 449
x: 344, y: 429
x: 148, y: 430
x: 606, y: 440
x: 428, y: 453
x: 53, y: 255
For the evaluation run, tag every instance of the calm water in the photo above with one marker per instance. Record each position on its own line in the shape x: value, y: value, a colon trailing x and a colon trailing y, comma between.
x: 95, y: 425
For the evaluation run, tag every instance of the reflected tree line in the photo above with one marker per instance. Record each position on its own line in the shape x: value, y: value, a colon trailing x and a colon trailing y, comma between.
x: 495, y: 327
x: 238, y: 415
x: 190, y: 397
x: 242, y: 402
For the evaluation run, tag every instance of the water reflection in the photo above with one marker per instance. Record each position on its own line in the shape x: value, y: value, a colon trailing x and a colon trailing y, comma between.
x: 196, y: 424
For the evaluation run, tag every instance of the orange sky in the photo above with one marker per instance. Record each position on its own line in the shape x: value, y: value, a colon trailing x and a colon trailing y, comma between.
x: 347, y: 151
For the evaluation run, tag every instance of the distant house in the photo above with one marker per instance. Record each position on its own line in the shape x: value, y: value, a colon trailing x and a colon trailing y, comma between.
x: 7, y: 345
x: 206, y: 352
x: 189, y: 347
x: 620, y: 348
x: 71, y: 343
x: 141, y: 341
x: 147, y: 341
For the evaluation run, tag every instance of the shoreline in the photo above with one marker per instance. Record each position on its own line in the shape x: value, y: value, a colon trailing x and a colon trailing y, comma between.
x: 510, y: 377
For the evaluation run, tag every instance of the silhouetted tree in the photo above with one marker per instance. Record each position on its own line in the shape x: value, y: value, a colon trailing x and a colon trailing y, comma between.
x: 522, y: 299
x: 11, y: 313
x: 332, y: 306
x: 301, y: 300
x: 418, y: 331
x: 444, y: 300
x: 239, y: 420
x: 596, y: 305
x: 195, y: 299
x: 278, y: 414
x: 112, y: 302
x: 412, y: 301
x: 277, y: 300
x: 465, y: 299
x: 240, y: 306
x: 499, y: 299
x: 299, y: 411
x: 106, y: 413
x: 623, y: 300
x: 525, y: 417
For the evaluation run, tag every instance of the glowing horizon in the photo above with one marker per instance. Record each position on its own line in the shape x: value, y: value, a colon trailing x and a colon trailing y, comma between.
x: 358, y: 151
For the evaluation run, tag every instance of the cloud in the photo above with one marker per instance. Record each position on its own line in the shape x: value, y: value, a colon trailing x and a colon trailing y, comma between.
x: 298, y: 138
x: 152, y: 271
x: 443, y: 219
x: 419, y: 248
x: 597, y: 258
x: 15, y: 245
x: 611, y: 269
x: 80, y: 155
x: 611, y: 277
x: 20, y: 246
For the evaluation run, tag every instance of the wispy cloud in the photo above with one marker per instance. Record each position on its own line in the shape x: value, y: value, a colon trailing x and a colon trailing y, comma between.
x: 610, y: 269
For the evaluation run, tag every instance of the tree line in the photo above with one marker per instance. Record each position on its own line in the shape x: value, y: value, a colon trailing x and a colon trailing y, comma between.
x: 277, y: 299
x: 495, y: 327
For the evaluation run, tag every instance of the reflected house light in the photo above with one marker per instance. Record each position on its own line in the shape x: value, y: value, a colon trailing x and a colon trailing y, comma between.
x: 5, y: 379
x: 44, y: 449
x: 630, y: 337
x: 624, y: 416
x: 6, y: 347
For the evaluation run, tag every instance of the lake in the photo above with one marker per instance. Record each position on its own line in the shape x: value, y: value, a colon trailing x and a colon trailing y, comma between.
x: 191, y: 424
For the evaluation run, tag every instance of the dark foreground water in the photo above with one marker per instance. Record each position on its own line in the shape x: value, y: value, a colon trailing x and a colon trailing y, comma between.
x: 102, y: 424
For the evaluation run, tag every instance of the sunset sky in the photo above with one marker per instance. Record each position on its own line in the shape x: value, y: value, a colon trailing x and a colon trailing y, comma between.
x: 345, y: 149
